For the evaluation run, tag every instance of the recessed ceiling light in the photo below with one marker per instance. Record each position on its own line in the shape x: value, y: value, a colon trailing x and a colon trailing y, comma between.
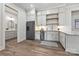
x: 31, y: 5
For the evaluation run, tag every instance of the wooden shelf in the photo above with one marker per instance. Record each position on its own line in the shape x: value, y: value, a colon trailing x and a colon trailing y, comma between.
x: 52, y: 24
x: 51, y: 18
x: 52, y: 21
x: 51, y: 31
x: 52, y: 14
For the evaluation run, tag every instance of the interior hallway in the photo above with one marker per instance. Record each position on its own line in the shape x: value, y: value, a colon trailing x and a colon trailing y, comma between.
x: 31, y: 48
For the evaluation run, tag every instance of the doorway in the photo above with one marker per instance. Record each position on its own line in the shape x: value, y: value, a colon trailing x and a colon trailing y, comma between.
x: 10, y: 25
x: 30, y: 30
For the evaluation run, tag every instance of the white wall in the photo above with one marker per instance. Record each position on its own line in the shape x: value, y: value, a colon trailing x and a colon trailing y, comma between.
x: 2, y: 27
x: 64, y: 20
x: 21, y: 30
x: 69, y: 18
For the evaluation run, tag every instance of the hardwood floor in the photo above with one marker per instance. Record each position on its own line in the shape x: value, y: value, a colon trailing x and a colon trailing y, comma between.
x: 31, y: 48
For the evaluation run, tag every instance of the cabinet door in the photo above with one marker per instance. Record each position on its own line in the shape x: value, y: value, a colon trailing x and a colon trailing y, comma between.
x: 54, y: 10
x: 37, y: 35
x: 52, y: 36
x: 39, y: 20
x: 45, y: 36
x: 43, y: 19
x: 62, y: 39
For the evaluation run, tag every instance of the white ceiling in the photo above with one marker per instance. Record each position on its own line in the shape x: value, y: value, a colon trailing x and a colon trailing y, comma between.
x: 38, y: 6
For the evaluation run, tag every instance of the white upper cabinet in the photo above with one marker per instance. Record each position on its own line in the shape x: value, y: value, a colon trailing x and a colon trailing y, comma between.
x: 55, y: 10
x: 62, y: 9
x: 41, y: 18
x: 31, y: 15
x: 39, y: 13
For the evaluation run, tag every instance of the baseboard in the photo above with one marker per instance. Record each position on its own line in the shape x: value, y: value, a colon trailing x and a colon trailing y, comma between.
x: 3, y: 48
x: 73, y: 51
x: 11, y: 38
x: 61, y: 45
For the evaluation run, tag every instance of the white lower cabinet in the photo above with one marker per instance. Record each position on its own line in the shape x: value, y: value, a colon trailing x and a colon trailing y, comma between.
x: 52, y: 36
x: 37, y: 35
x: 49, y: 36
x: 62, y: 39
x: 10, y: 34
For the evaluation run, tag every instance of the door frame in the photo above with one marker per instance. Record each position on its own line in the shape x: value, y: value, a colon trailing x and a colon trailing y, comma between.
x: 16, y: 19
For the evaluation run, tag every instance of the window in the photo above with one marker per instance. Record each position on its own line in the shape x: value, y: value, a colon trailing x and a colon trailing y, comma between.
x: 77, y: 23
